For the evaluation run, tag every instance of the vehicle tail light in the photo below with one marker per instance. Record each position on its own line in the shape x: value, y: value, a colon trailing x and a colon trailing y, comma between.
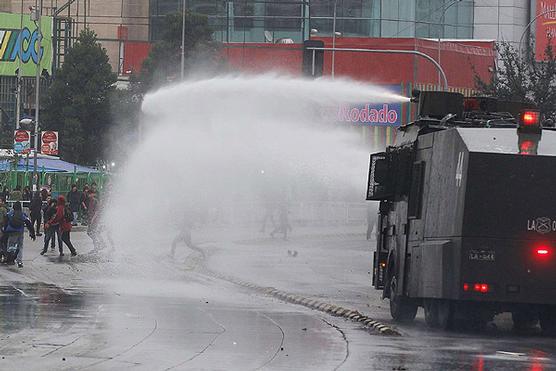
x: 543, y: 252
x: 527, y: 147
x: 482, y: 288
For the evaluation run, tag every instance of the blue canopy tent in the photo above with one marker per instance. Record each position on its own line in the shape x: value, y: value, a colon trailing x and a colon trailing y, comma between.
x: 48, y: 165
x: 54, y: 172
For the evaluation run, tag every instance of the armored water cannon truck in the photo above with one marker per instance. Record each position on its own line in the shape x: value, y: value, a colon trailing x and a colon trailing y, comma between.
x: 467, y: 215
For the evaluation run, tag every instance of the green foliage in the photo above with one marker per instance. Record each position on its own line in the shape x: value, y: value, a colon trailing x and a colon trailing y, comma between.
x: 521, y: 78
x: 163, y: 65
x: 77, y: 103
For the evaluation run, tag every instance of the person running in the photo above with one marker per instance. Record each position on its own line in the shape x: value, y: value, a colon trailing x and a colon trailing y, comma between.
x: 283, y: 222
x: 50, y: 231
x: 63, y: 219
x: 36, y: 212
x: 96, y: 228
x: 74, y: 199
x: 184, y: 234
x: 84, y: 204
x: 15, y: 223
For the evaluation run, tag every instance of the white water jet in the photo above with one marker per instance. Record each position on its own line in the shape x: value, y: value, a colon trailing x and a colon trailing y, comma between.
x: 236, y: 142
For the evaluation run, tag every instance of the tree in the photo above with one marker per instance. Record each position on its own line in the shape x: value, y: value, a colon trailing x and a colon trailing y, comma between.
x: 163, y: 63
x: 77, y: 103
x: 522, y: 78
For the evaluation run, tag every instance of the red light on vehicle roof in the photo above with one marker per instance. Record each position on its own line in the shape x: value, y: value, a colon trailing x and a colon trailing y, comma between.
x: 530, y: 118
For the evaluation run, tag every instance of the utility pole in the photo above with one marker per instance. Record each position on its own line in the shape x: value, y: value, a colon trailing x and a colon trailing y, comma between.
x: 441, y: 31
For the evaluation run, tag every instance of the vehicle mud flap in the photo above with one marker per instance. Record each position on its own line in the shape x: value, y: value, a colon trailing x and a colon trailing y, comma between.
x: 439, y: 313
x: 524, y: 320
x: 547, y: 319
x: 470, y: 316
x: 402, y: 309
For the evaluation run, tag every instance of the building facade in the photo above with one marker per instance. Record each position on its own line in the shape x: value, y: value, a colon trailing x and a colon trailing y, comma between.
x: 114, y: 21
x: 267, y: 21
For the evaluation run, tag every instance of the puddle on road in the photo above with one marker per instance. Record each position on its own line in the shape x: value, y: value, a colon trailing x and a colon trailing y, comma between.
x: 31, y: 305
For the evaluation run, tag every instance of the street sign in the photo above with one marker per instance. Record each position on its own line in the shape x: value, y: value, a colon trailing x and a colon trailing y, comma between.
x: 49, y: 143
x: 22, y: 141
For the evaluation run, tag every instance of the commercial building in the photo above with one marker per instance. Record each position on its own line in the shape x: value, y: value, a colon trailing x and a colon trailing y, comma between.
x: 263, y: 35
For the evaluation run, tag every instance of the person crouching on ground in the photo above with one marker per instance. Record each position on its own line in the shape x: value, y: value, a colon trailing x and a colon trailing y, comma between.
x: 16, y: 221
x: 63, y: 219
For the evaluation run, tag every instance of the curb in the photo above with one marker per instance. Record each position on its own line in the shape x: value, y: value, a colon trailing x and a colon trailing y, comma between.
x: 311, y: 303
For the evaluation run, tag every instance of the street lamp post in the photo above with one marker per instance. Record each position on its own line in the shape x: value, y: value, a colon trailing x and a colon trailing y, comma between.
x: 388, y: 51
x: 18, y: 89
x: 529, y: 25
x: 334, y: 38
x: 36, y: 17
x: 441, y: 31
x: 183, y: 40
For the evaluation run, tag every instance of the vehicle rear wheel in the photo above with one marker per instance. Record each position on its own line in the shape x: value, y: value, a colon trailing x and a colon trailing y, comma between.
x: 431, y: 313
x: 438, y: 313
x: 547, y: 318
x: 401, y: 308
x: 524, y: 320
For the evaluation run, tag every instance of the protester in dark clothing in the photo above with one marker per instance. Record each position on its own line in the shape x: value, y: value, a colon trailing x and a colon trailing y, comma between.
x: 50, y: 231
x: 3, y: 236
x: 27, y: 196
x: 35, y: 211
x: 5, y: 194
x: 15, y: 222
x: 74, y: 200
x: 44, y: 194
x: 63, y: 219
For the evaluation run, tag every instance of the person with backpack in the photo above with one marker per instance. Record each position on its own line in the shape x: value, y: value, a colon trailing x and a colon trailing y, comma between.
x: 50, y: 231
x: 16, y: 195
x: 15, y: 223
x: 63, y: 219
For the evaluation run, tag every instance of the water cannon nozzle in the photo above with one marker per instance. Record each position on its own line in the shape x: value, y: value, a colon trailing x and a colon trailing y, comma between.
x: 415, y: 94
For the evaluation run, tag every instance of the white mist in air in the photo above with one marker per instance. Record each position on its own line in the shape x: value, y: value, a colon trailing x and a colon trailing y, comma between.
x: 220, y: 148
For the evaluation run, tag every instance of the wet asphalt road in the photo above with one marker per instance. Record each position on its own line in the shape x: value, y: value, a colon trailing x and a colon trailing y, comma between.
x: 76, y: 315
